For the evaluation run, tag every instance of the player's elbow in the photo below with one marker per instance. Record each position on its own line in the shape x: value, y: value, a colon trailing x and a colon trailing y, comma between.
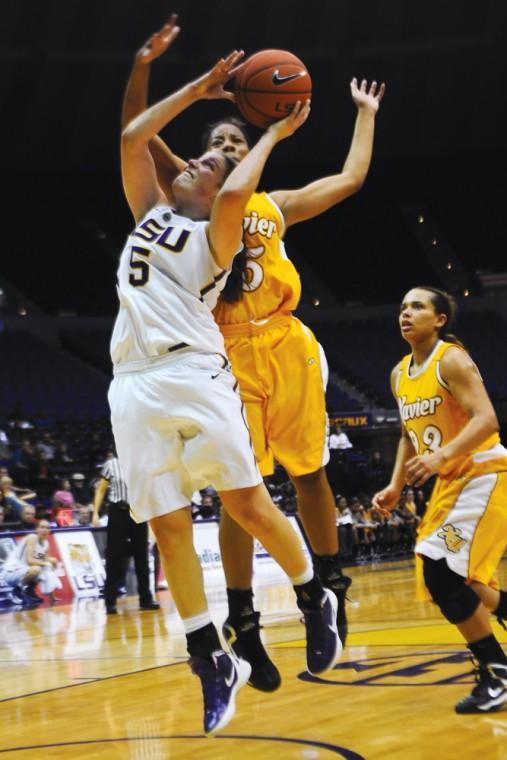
x: 130, y: 137
x: 355, y: 181
x: 489, y: 422
x: 232, y: 198
x: 493, y: 424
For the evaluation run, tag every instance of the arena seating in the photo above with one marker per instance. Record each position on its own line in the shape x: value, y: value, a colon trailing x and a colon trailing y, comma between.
x: 38, y: 379
x: 364, y: 352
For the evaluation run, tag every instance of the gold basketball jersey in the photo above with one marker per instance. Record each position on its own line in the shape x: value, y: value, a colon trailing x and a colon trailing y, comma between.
x: 271, y: 283
x: 429, y: 413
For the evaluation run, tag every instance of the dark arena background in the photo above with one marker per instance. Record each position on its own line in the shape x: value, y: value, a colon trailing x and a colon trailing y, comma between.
x: 432, y: 211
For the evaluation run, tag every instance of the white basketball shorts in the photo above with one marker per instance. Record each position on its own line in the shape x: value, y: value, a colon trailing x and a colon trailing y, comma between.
x: 179, y: 426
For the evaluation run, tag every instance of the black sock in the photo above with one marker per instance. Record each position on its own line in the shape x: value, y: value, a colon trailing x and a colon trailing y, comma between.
x: 240, y: 603
x: 501, y: 610
x: 487, y: 650
x: 309, y: 595
x: 328, y: 561
x: 203, y: 642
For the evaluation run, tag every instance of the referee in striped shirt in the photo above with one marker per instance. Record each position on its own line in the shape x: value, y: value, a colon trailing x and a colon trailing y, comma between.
x: 120, y: 528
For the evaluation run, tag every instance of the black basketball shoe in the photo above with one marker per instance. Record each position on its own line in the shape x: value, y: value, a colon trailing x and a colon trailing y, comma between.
x: 323, y: 644
x: 243, y: 636
x: 490, y: 692
x: 331, y: 575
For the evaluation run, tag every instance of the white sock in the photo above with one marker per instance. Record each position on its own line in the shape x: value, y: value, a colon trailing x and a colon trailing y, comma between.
x: 304, y: 577
x: 192, y: 624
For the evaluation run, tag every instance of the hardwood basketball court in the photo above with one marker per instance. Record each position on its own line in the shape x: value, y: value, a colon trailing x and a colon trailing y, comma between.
x: 77, y: 684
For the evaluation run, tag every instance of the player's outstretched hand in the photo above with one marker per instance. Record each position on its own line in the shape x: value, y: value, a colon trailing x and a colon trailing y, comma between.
x: 159, y: 42
x: 385, y: 500
x: 297, y: 117
x: 367, y: 98
x: 211, y: 85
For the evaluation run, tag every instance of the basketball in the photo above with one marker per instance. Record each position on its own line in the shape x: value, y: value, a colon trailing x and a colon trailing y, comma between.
x: 268, y: 85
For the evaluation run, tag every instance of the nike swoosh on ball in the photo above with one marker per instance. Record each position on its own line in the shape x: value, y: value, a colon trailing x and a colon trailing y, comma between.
x: 277, y: 79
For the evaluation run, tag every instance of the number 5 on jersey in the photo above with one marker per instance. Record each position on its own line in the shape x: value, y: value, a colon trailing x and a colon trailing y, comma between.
x: 141, y: 274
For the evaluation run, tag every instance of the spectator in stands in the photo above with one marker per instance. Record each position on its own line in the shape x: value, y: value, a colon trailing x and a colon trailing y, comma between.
x: 359, y: 528
x: 124, y: 535
x: 29, y: 563
x: 62, y: 456
x: 208, y: 508
x: 43, y: 478
x: 407, y: 525
x: 46, y: 446
x: 2, y: 517
x: 27, y: 521
x: 4, y: 445
x: 339, y: 440
x: 84, y: 516
x: 382, y: 533
x: 410, y: 501
x: 64, y: 496
x: 82, y: 492
x: 63, y: 505
x: 14, y: 499
x: 24, y: 462
x: 344, y: 524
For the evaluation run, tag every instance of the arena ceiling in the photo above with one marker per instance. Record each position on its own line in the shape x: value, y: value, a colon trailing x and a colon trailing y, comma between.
x: 65, y: 63
x: 441, y: 128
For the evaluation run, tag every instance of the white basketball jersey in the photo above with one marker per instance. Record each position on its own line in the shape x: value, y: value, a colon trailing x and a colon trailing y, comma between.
x: 168, y: 282
x: 19, y: 554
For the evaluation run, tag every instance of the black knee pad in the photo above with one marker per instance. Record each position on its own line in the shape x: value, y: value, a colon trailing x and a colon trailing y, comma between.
x: 457, y: 601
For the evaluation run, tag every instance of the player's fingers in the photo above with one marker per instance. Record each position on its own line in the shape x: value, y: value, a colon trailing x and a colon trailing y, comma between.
x: 170, y: 32
x: 373, y: 88
x: 233, y: 56
x: 234, y: 64
x: 381, y: 91
x: 295, y: 110
x: 363, y: 85
x: 235, y: 71
x: 305, y: 110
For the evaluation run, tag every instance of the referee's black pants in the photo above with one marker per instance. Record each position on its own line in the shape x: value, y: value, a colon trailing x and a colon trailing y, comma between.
x: 120, y: 528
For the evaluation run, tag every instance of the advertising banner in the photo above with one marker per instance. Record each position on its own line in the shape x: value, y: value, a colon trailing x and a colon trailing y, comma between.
x: 82, y: 562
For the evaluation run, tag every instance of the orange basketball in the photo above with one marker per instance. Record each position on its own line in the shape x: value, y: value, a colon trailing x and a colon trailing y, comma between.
x: 268, y: 84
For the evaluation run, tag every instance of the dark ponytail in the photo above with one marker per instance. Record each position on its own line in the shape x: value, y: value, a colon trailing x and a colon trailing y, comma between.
x: 444, y: 303
x: 233, y: 289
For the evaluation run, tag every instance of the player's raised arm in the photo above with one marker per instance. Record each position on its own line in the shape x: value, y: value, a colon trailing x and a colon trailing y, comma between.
x: 225, y: 229
x: 167, y: 164
x: 140, y: 182
x: 321, y: 195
